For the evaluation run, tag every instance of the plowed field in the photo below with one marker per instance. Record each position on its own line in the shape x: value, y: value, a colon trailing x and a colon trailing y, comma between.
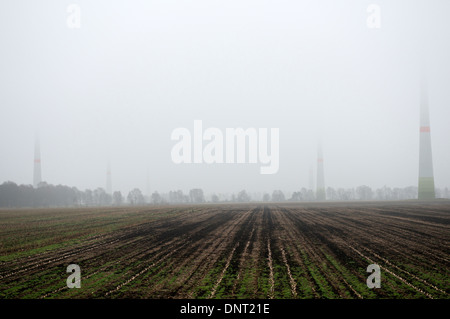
x: 285, y: 250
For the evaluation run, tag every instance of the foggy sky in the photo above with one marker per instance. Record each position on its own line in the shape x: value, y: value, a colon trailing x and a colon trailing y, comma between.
x: 115, y: 89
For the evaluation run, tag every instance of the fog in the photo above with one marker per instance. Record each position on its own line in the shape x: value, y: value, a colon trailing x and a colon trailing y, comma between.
x: 114, y: 90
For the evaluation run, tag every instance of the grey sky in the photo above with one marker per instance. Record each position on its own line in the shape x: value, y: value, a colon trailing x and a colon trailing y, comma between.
x: 117, y: 87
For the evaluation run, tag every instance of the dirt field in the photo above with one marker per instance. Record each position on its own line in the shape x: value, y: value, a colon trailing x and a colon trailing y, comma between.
x: 286, y: 250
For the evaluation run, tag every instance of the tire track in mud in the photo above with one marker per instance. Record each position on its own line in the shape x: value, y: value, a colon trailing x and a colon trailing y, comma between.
x: 270, y: 264
x: 43, y: 258
x: 277, y: 253
x: 234, y: 231
x: 217, y: 224
x: 160, y: 260
x: 180, y: 239
x: 291, y: 279
x: 54, y: 260
x: 153, y: 247
x: 242, y: 261
x: 381, y: 237
x: 90, y: 215
x: 403, y: 247
x: 407, y: 272
x: 250, y: 260
x: 392, y: 273
x: 222, y: 274
x: 312, y: 238
x: 122, y: 239
x: 386, y: 230
x: 132, y: 236
x: 288, y: 230
x: 103, y: 268
x: 227, y: 241
x: 268, y: 226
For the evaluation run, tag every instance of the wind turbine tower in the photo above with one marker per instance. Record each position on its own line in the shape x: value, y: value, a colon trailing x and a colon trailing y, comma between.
x: 426, y: 176
x: 37, y: 177
x: 108, y: 180
x: 320, y: 192
x: 311, y: 179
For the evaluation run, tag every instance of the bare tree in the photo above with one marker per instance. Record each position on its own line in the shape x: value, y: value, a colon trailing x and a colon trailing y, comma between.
x: 331, y: 193
x: 117, y: 198
x: 296, y: 197
x: 156, y: 198
x: 135, y: 197
x: 278, y: 196
x: 215, y: 198
x: 196, y: 195
x: 176, y: 196
x: 364, y: 192
x: 243, y: 196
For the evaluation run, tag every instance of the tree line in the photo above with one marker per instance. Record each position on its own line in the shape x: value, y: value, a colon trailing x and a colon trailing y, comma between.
x: 47, y: 195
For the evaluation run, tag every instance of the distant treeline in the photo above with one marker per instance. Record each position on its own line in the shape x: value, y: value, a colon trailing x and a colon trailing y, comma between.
x: 47, y: 195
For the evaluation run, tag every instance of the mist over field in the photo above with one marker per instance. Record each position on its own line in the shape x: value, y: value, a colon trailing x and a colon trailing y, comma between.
x: 215, y: 157
x: 114, y: 90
